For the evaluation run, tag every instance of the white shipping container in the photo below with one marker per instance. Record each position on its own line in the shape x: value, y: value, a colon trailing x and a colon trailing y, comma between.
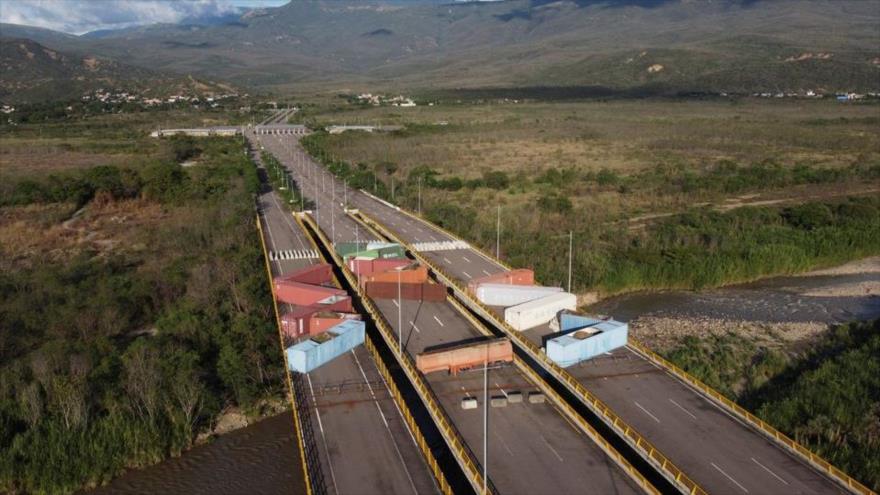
x: 540, y: 311
x: 511, y: 295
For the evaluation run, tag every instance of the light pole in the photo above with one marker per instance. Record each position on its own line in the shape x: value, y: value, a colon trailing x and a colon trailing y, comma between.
x: 498, y: 235
x: 420, y: 196
x: 570, y: 253
x: 486, y: 422
x: 399, y: 316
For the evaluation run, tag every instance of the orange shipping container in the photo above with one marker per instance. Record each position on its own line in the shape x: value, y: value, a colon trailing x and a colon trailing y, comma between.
x: 322, y: 321
x: 303, y: 294
x: 465, y: 354
x: 520, y: 276
x: 314, y: 275
x: 415, y: 275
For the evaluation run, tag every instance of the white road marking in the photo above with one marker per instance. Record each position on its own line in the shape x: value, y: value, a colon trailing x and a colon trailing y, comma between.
x: 769, y: 471
x: 683, y: 409
x: 395, y: 302
x: 487, y: 273
x: 415, y: 327
x: 465, y: 258
x: 501, y: 389
x: 376, y: 402
x: 466, y: 274
x: 504, y: 443
x: 729, y: 477
x: 323, y: 438
x: 646, y: 411
x: 438, y: 321
x: 552, y: 449
x: 447, y: 260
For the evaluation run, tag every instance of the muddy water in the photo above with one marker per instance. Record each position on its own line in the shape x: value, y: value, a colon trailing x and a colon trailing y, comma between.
x: 260, y: 458
x: 809, y: 298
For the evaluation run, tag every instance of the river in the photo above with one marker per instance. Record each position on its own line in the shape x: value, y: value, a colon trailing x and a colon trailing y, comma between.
x: 259, y: 458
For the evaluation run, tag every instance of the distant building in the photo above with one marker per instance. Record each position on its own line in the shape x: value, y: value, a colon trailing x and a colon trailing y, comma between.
x: 224, y: 131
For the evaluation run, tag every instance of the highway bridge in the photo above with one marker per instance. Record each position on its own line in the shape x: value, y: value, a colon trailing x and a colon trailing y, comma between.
x: 533, y: 447
x: 696, y: 439
x: 354, y: 435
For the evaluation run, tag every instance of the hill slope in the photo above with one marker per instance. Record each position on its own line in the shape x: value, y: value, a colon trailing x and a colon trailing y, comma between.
x: 32, y: 72
x: 723, y: 45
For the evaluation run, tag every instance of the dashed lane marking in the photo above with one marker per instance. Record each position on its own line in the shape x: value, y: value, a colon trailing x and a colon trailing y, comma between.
x: 646, y: 411
x: 683, y: 409
x: 729, y: 477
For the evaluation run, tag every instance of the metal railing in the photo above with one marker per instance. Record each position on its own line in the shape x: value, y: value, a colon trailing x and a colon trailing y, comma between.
x: 628, y: 433
x: 293, y: 401
x: 459, y: 450
x: 633, y: 437
x: 757, y: 422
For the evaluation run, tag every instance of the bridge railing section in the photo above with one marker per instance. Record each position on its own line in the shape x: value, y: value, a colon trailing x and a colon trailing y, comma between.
x: 628, y: 433
x: 460, y: 451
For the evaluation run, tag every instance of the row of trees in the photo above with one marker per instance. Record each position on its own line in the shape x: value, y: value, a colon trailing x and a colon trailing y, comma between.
x: 118, y: 361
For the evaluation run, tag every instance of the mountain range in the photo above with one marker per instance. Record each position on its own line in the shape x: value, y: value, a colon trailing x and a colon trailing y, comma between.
x: 667, y: 45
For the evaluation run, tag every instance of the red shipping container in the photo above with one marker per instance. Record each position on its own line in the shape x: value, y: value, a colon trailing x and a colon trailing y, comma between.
x: 520, y: 276
x: 314, y: 275
x: 361, y: 267
x: 410, y: 292
x: 301, y: 294
x: 322, y: 321
x: 296, y: 323
x: 338, y: 303
x: 414, y: 275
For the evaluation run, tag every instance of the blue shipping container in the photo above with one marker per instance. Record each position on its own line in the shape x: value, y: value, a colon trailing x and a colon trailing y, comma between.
x: 575, y: 347
x: 312, y: 354
x: 571, y: 321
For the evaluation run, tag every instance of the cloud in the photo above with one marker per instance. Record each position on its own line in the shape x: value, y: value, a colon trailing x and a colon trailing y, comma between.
x: 81, y: 16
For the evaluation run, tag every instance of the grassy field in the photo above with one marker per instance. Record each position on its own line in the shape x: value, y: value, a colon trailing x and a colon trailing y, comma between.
x: 633, y: 179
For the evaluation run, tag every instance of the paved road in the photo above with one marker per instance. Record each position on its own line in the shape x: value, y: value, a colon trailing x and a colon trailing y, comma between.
x: 363, y: 442
x: 532, y: 448
x: 715, y: 449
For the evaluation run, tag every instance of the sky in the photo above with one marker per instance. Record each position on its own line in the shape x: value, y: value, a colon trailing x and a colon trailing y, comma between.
x: 82, y: 16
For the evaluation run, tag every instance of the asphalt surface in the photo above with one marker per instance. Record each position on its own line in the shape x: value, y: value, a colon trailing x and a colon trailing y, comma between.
x: 363, y: 441
x: 716, y: 450
x: 532, y: 447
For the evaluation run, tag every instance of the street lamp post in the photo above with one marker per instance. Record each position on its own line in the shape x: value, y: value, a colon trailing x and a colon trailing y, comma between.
x: 486, y: 422
x: 399, y: 316
x: 420, y: 196
x: 498, y: 235
x: 570, y: 253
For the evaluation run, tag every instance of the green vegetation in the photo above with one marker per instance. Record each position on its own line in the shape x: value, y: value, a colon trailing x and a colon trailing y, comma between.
x: 659, y: 194
x: 118, y: 358
x: 828, y: 398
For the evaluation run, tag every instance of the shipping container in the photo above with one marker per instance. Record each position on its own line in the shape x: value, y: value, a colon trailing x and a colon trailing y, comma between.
x: 338, y: 303
x: 322, y: 321
x: 361, y: 267
x: 314, y: 275
x: 414, y: 274
x: 573, y: 321
x: 301, y: 294
x: 371, y: 250
x: 321, y: 349
x: 587, y: 342
x: 295, y: 323
x: 511, y: 295
x: 411, y: 292
x: 457, y: 356
x: 540, y: 311
x: 520, y: 276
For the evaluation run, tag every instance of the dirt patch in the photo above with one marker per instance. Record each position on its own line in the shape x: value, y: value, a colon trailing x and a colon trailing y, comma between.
x: 664, y: 333
x: 867, y: 265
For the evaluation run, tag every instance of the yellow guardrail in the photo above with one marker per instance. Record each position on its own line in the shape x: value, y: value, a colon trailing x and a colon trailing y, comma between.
x: 293, y: 402
x: 564, y: 407
x: 760, y: 424
x: 444, y: 424
x: 444, y: 486
x: 628, y: 433
x: 765, y: 428
x: 442, y: 483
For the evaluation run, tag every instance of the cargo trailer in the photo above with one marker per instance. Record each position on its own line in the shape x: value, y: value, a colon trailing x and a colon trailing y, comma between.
x: 465, y: 354
x: 301, y: 294
x: 341, y: 303
x: 586, y: 342
x: 574, y: 321
x: 314, y: 275
x: 540, y: 311
x: 410, y: 292
x: 511, y: 295
x: 321, y: 321
x: 295, y: 323
x: 362, y: 266
x: 520, y: 276
x: 321, y: 349
x: 413, y: 274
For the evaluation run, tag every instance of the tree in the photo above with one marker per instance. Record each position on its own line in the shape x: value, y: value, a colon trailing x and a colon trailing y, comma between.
x: 142, y: 378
